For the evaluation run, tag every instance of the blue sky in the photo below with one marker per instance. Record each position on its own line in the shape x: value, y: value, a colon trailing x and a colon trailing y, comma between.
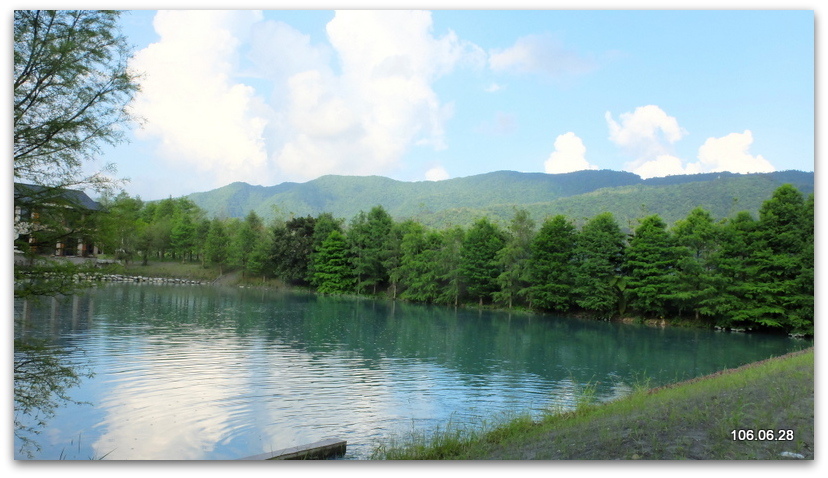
x: 272, y: 96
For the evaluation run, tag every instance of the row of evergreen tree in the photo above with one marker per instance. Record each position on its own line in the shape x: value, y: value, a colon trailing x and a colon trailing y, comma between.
x: 738, y: 272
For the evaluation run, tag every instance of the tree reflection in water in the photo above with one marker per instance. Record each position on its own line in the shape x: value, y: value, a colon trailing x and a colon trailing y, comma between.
x: 42, y: 379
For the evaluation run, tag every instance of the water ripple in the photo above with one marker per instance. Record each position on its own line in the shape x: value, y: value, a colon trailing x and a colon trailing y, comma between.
x: 209, y: 374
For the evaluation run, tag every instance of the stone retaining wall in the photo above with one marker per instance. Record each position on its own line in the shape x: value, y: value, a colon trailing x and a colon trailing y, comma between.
x: 141, y: 279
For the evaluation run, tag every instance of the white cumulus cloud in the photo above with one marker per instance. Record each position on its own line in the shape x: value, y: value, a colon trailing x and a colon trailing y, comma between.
x: 363, y: 119
x: 569, y: 155
x: 647, y: 135
x: 353, y: 104
x: 663, y: 165
x: 437, y: 173
x: 730, y: 153
x: 189, y: 99
x: 647, y: 132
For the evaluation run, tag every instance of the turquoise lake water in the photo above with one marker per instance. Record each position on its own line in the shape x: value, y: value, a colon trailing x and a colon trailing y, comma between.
x: 208, y: 373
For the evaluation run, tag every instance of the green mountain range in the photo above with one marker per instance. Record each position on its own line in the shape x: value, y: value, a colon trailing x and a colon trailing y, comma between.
x: 579, y: 195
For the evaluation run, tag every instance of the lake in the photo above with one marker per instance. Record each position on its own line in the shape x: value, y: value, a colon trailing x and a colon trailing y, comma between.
x: 211, y: 373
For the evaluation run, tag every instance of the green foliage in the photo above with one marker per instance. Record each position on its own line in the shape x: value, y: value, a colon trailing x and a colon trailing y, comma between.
x: 419, y: 271
x: 250, y: 233
x: 696, y: 283
x: 740, y: 272
x: 735, y: 271
x: 332, y: 268
x: 368, y: 235
x: 479, y: 261
x: 599, y: 255
x: 783, y: 229
x: 553, y: 267
x: 121, y: 226
x: 71, y: 86
x: 515, y: 260
x: 450, y: 273
x: 803, y: 313
x: 217, y: 248
x: 291, y: 248
x: 652, y: 261
x: 324, y: 225
x: 395, y: 254
x: 183, y: 236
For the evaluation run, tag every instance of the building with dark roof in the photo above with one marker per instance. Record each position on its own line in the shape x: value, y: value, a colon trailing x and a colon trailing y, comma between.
x: 56, y: 221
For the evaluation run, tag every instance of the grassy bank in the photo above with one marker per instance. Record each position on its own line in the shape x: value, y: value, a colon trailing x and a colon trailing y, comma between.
x: 690, y: 420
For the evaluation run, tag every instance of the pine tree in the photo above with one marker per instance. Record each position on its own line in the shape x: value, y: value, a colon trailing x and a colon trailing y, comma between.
x: 71, y: 88
x: 120, y: 229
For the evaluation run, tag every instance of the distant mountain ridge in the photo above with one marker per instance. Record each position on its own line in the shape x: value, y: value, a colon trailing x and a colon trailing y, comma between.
x: 461, y: 200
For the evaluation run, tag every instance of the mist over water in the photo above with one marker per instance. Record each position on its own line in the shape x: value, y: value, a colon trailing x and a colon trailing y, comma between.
x: 205, y: 373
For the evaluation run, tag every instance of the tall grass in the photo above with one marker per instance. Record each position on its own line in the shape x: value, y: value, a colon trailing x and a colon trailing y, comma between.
x: 691, y: 419
x: 451, y: 440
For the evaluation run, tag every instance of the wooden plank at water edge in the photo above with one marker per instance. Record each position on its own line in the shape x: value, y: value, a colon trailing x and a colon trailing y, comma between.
x: 321, y: 450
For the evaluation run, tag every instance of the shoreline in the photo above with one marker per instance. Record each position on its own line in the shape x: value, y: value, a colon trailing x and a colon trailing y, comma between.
x: 173, y: 274
x: 726, y: 415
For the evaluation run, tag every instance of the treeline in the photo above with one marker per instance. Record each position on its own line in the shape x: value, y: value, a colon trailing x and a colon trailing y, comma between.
x: 738, y: 272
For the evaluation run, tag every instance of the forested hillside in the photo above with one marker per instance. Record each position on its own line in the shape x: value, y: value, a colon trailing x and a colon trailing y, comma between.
x: 461, y: 201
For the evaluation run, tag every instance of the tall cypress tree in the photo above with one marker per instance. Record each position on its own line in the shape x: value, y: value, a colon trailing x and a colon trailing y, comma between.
x: 695, y: 285
x: 393, y: 255
x: 779, y: 253
x: 420, y: 265
x: 218, y: 244
x: 735, y: 272
x: 479, y: 263
x: 448, y: 258
x: 324, y: 224
x: 804, y: 313
x: 515, y: 259
x: 552, y: 268
x: 332, y: 266
x: 652, y: 266
x: 249, y: 234
x: 599, y: 254
x: 368, y: 235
